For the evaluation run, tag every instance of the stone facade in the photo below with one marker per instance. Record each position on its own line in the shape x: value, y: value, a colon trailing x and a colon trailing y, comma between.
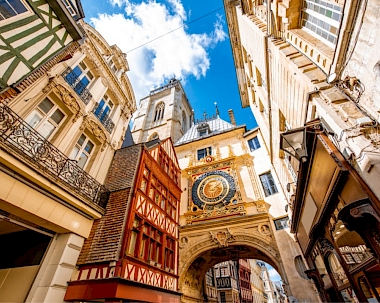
x: 58, y: 137
x: 165, y: 113
x: 252, y: 227
x: 283, y: 78
x: 257, y: 284
x: 314, y: 64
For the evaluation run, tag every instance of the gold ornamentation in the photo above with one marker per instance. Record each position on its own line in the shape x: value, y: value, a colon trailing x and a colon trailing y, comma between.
x: 216, y: 212
x: 261, y: 207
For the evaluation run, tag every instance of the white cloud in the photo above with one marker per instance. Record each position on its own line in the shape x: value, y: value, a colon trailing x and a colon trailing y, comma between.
x: 117, y: 2
x: 177, y: 54
x: 273, y: 274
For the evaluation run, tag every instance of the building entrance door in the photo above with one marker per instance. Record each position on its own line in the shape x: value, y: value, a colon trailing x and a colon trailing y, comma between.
x: 22, y: 252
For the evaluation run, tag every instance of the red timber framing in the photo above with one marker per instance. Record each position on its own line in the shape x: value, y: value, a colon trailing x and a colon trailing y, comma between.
x: 148, y: 254
x: 109, y: 289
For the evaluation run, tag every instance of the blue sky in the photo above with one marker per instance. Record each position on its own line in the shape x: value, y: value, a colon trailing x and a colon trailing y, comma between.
x: 273, y: 274
x: 199, y: 53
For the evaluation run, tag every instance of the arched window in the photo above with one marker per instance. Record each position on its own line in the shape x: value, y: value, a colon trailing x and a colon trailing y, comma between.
x: 159, y: 113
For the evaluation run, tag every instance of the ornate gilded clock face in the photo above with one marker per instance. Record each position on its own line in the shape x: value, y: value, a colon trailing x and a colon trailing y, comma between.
x: 213, y: 188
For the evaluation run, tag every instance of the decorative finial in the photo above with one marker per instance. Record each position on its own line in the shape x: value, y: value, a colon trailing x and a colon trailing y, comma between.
x: 204, y: 114
x: 216, y: 108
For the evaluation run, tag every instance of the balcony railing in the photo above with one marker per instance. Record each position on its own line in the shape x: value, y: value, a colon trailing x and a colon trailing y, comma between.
x: 103, y: 117
x: 73, y: 80
x: 31, y: 147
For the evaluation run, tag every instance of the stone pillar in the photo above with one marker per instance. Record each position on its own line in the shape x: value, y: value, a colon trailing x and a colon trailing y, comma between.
x: 56, y: 270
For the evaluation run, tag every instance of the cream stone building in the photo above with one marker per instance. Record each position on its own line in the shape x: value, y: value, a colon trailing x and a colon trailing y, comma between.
x: 58, y: 138
x: 232, y: 205
x: 257, y: 283
x: 311, y: 60
x: 310, y: 69
x: 268, y: 284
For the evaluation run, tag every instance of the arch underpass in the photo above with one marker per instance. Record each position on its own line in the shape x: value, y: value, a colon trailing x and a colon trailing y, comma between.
x: 203, y: 245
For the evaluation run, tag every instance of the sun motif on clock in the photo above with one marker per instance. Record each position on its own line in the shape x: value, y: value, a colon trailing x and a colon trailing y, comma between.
x: 213, y: 189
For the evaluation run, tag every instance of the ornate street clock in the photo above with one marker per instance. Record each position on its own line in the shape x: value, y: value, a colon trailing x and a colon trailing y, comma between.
x: 213, y: 189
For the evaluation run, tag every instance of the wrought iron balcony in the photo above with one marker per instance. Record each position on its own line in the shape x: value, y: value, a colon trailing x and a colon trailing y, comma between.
x: 28, y: 145
x: 103, y: 117
x: 74, y: 81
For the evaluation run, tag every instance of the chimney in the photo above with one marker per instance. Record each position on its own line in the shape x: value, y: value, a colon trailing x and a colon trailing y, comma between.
x: 232, y: 117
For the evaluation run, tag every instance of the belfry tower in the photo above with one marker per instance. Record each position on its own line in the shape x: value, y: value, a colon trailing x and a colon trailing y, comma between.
x: 166, y: 112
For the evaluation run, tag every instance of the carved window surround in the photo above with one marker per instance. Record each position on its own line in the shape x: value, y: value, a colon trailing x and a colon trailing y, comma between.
x: 96, y: 58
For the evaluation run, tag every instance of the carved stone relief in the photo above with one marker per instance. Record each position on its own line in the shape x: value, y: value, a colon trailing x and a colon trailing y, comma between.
x: 183, y: 242
x: 223, y: 237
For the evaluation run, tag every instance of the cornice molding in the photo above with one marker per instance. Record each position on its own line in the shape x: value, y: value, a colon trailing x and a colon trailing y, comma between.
x: 107, y: 73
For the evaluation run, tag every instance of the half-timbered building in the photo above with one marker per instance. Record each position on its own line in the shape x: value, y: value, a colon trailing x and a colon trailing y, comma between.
x: 35, y: 36
x: 244, y: 271
x: 132, y: 252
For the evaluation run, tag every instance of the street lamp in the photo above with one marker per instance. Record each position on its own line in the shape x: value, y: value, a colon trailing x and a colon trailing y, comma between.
x: 293, y: 142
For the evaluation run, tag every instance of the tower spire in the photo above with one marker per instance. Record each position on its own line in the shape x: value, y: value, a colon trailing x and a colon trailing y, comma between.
x: 216, y: 109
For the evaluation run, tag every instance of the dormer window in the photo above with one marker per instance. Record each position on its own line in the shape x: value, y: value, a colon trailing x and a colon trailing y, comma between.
x: 203, y: 129
x: 204, y: 152
x: 70, y: 7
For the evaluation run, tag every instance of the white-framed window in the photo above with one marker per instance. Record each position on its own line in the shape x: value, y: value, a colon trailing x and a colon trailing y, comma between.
x: 322, y: 18
x: 83, y: 73
x: 46, y: 118
x: 11, y: 8
x: 224, y: 271
x: 104, y: 108
x: 254, y: 143
x: 82, y: 151
x: 281, y: 223
x: 202, y: 153
x: 70, y: 7
x: 268, y: 184
x: 159, y: 112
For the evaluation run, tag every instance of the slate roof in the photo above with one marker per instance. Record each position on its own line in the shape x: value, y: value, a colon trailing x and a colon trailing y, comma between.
x: 216, y: 125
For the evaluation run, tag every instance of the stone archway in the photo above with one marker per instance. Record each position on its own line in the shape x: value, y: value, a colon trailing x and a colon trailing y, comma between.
x: 203, y: 245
